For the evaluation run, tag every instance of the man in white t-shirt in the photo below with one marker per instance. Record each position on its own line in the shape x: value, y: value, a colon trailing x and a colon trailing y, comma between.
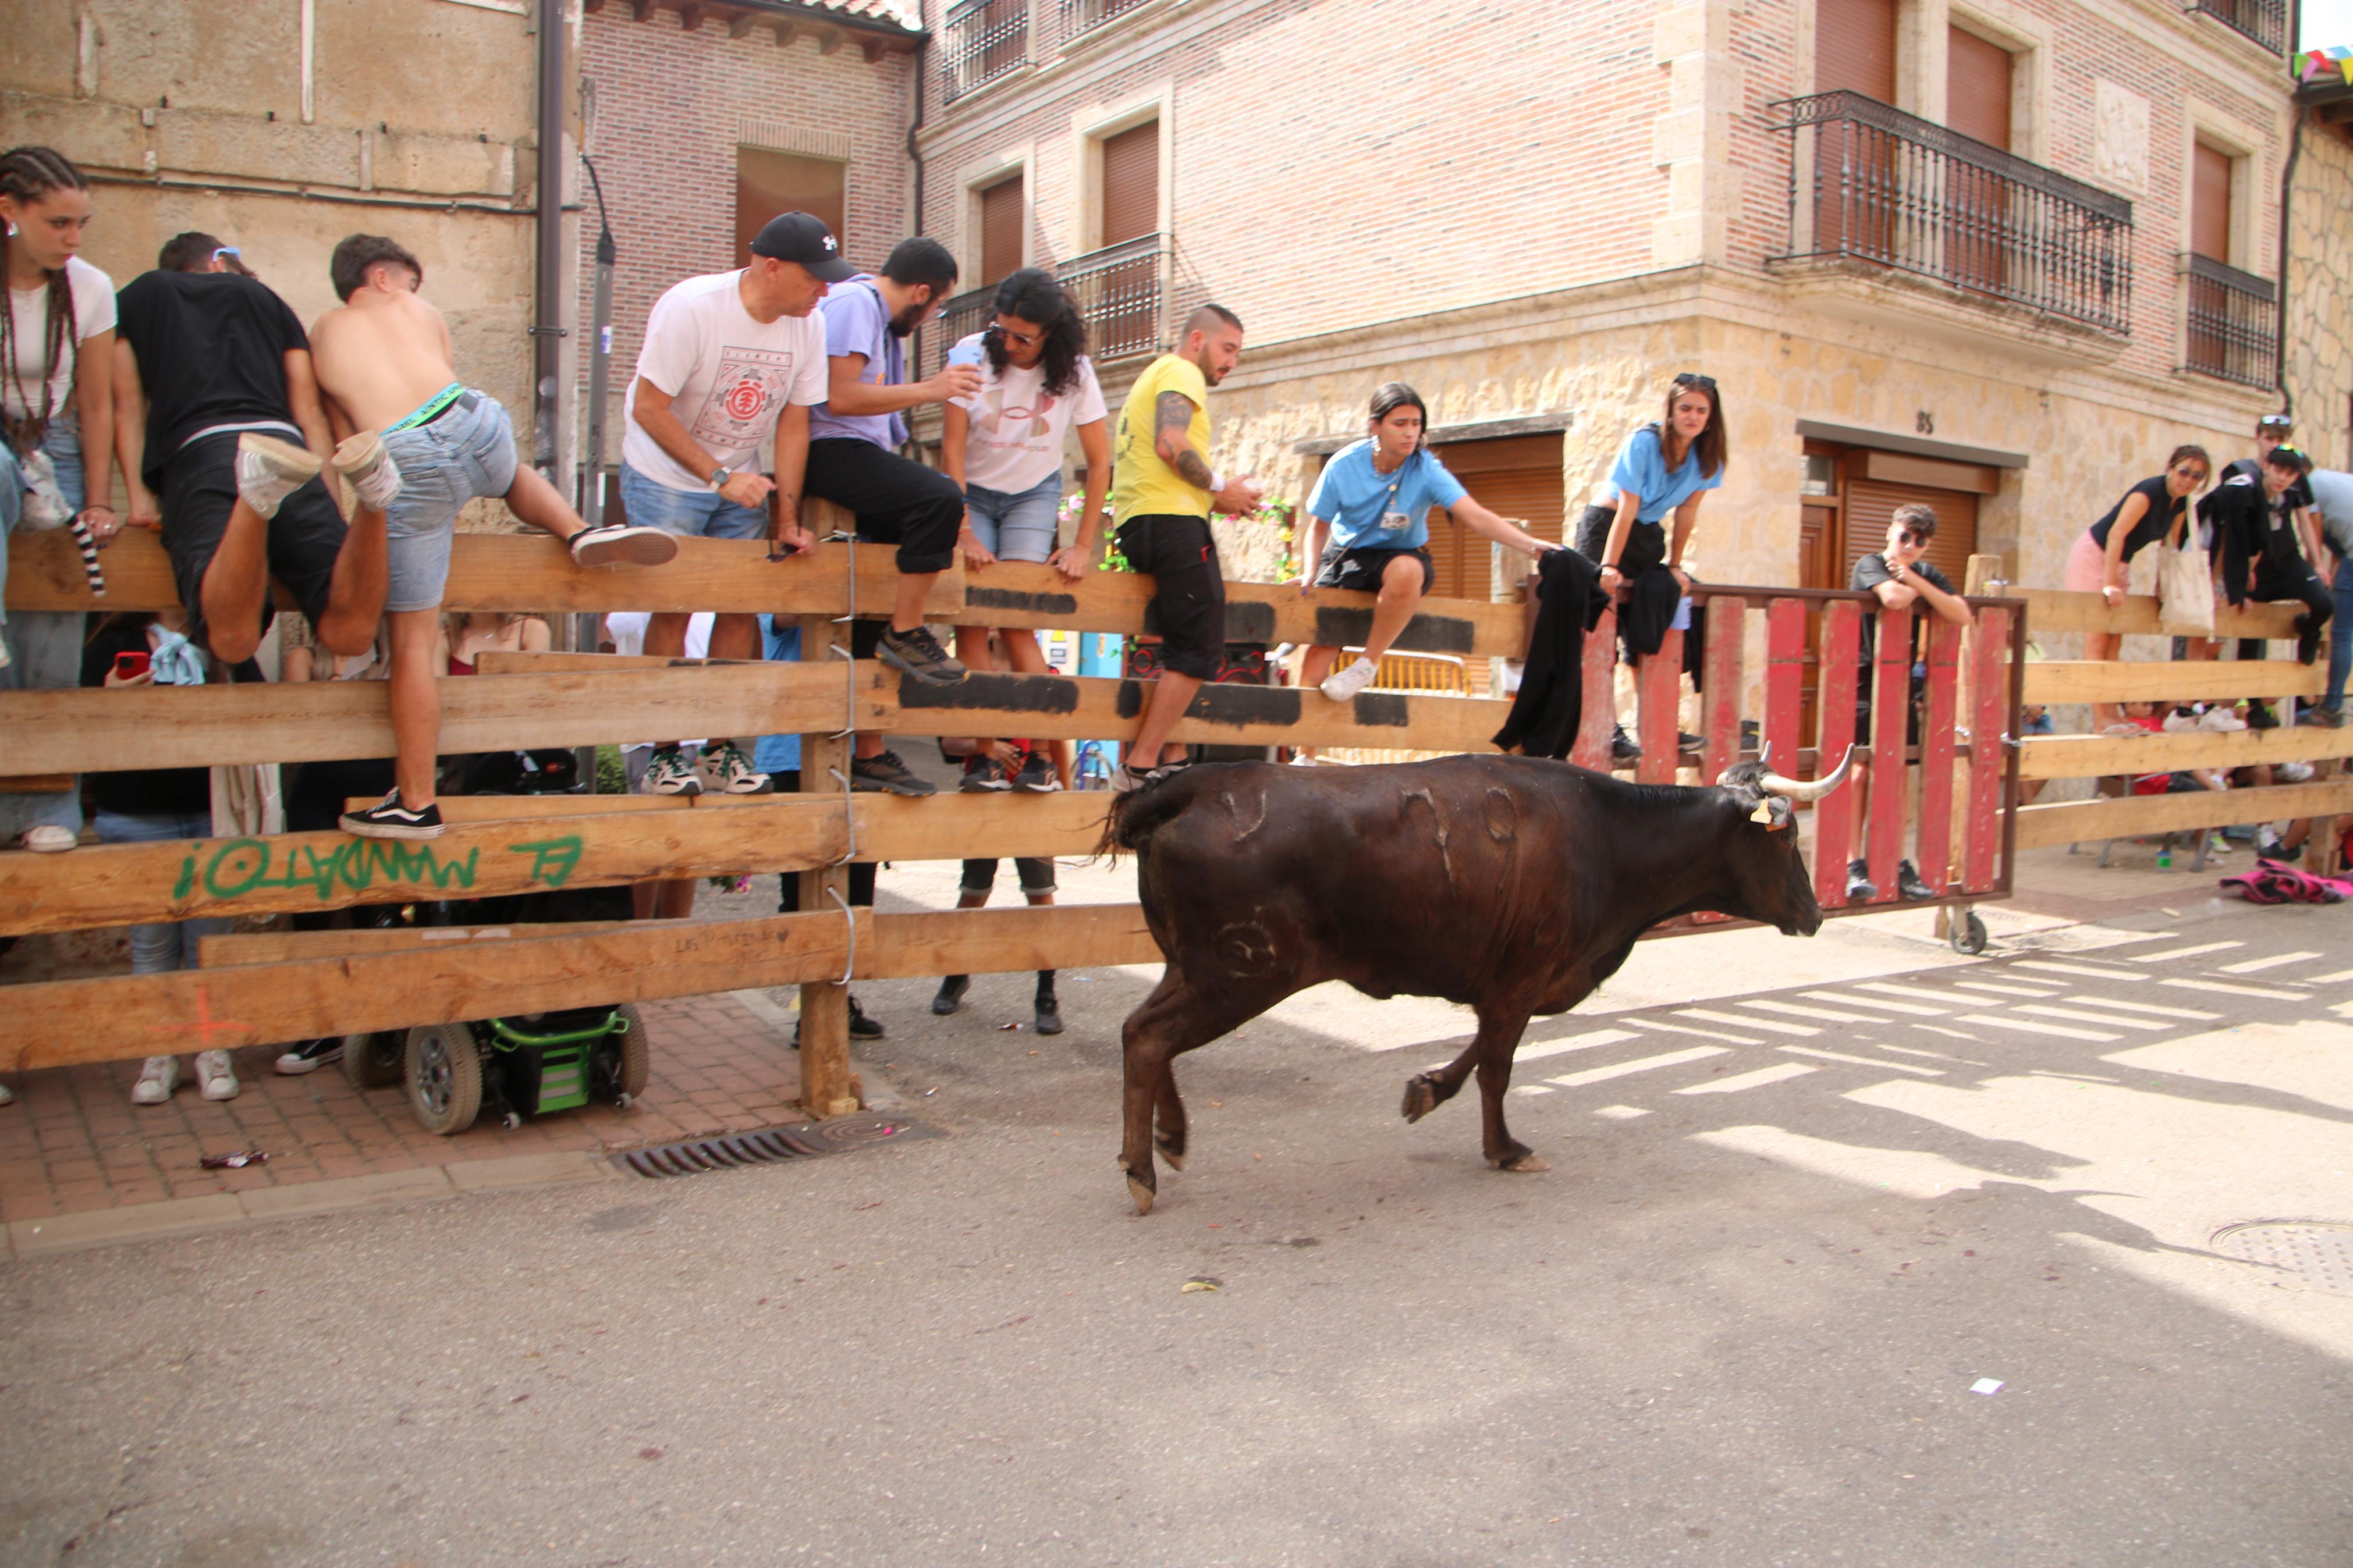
x: 727, y: 359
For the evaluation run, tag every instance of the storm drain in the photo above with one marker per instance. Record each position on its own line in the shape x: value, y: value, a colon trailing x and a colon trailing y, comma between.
x: 770, y: 1145
x: 2316, y: 1253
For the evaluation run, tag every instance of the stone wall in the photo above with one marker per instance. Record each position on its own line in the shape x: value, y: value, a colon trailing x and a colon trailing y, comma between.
x: 2319, y: 314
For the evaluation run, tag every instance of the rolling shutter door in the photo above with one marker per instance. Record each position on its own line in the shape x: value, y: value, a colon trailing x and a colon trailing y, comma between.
x: 1000, y: 231
x: 1871, y: 502
x: 1130, y: 184
x: 2210, y: 202
x: 1516, y: 477
x: 1976, y: 89
x: 1854, y: 47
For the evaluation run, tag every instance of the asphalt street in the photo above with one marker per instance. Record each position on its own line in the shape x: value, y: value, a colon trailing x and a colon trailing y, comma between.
x: 1795, y: 1223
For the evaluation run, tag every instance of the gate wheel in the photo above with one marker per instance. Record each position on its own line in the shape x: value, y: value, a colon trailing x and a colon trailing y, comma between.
x: 444, y: 1077
x: 1968, y: 938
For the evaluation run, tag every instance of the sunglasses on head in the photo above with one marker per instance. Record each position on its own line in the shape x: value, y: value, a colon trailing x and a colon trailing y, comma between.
x: 2290, y: 453
x: 228, y: 250
x: 2279, y: 422
x: 1693, y: 378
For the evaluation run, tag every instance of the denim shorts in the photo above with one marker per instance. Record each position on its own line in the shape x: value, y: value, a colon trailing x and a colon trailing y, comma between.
x: 696, y: 514
x: 468, y: 451
x: 1022, y: 526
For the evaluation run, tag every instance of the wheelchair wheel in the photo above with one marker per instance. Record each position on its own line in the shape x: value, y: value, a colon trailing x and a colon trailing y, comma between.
x: 618, y: 1071
x: 375, y: 1061
x: 444, y: 1077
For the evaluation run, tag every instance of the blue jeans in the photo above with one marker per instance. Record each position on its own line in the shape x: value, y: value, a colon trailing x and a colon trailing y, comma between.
x: 43, y: 645
x: 704, y: 514
x: 1021, y: 526
x: 468, y: 451
x: 161, y: 947
x: 2340, y: 640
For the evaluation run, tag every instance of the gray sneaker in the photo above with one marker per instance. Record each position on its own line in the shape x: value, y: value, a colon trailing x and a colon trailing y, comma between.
x: 622, y: 544
x: 886, y: 772
x: 918, y: 654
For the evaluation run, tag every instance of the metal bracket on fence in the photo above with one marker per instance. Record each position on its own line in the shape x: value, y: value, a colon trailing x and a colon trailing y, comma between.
x: 837, y: 537
x: 849, y: 820
x: 849, y: 709
x: 2012, y: 742
x: 849, y: 964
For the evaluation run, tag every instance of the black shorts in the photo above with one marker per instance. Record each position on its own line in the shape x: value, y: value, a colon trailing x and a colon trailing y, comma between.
x: 1361, y: 569
x: 305, y: 537
x: 1035, y: 872
x: 1189, y: 588
x: 898, y: 500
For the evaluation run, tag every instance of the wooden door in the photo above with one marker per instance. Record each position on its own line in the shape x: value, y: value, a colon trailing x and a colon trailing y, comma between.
x: 1001, y: 231
x: 1854, y: 164
x: 1977, y: 86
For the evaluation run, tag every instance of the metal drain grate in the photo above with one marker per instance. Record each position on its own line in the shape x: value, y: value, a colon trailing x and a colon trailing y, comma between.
x: 770, y: 1145
x: 2316, y: 1253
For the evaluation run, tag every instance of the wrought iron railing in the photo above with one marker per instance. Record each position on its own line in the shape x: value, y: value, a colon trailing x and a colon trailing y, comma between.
x: 2265, y: 21
x: 1078, y: 15
x: 982, y: 40
x: 1869, y: 182
x: 1119, y: 291
x: 2233, y: 322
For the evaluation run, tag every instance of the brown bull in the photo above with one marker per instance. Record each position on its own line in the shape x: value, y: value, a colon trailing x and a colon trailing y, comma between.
x: 1511, y: 884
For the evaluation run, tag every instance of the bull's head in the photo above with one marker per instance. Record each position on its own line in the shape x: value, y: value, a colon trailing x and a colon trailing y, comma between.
x: 1768, y: 870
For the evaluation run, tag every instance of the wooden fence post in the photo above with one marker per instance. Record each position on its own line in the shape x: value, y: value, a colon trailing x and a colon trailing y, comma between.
x: 827, y: 1086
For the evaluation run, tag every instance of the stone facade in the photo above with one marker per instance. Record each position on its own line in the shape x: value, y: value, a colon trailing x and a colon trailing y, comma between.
x: 2320, y: 293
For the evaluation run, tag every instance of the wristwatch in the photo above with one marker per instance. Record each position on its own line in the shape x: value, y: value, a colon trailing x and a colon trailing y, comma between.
x: 720, y: 475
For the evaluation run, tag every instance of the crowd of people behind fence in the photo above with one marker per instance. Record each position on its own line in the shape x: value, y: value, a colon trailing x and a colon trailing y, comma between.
x: 236, y: 431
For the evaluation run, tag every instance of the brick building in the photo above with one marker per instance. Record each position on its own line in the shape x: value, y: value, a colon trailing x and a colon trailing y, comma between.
x: 2000, y: 255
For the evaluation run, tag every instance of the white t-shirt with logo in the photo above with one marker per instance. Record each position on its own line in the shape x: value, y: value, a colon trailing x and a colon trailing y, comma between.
x: 93, y: 312
x: 728, y: 376
x: 1017, y: 427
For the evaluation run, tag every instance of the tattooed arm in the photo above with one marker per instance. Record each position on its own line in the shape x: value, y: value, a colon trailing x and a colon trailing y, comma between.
x: 1172, y: 421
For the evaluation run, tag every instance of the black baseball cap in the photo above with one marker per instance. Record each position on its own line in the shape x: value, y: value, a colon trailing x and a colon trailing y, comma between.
x: 798, y: 237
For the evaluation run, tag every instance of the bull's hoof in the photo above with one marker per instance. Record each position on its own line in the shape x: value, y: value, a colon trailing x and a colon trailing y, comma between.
x: 1141, y: 1194
x: 1527, y: 1161
x: 1420, y: 1097
x: 1176, y: 1161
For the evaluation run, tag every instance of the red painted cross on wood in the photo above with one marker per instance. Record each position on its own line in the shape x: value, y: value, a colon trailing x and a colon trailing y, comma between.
x: 205, y: 1026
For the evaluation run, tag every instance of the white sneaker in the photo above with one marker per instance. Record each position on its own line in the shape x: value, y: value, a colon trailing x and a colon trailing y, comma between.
x: 49, y: 839
x: 2179, y: 722
x: 1342, y: 685
x: 2293, y: 772
x: 270, y: 470
x: 2221, y: 722
x: 216, y: 1077
x: 671, y: 773
x: 1304, y: 760
x: 363, y: 460
x: 156, y: 1081
x: 732, y: 773
x: 7, y: 1095
x: 622, y: 544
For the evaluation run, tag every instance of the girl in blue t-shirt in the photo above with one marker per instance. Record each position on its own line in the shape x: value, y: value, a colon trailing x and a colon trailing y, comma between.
x: 1370, y: 517
x: 1663, y: 468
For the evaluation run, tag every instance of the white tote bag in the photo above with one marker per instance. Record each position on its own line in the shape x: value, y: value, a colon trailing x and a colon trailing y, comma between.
x: 2185, y: 583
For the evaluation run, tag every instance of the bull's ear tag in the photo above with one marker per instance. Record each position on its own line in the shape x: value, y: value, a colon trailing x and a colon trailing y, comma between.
x: 1764, y: 813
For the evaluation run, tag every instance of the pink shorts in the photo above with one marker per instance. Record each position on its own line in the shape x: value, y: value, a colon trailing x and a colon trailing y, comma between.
x: 2087, y: 565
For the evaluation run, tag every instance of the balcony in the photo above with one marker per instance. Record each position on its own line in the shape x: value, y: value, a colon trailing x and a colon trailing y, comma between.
x: 2233, y: 322
x: 1120, y: 290
x: 980, y: 41
x: 2265, y: 21
x: 1874, y: 187
x: 1083, y: 16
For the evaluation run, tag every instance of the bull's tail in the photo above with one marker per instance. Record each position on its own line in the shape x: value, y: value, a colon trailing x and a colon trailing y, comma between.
x: 1136, y: 815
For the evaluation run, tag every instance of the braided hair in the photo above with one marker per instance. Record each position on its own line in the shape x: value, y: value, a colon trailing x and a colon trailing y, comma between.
x: 27, y: 174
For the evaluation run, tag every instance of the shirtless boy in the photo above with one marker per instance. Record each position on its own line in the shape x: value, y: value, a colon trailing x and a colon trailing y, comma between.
x: 384, y: 363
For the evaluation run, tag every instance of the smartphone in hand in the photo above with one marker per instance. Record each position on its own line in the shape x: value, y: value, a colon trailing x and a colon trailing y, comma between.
x: 132, y: 666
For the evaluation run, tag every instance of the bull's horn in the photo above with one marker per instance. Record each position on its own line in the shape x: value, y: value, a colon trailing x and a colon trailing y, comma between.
x: 1791, y: 789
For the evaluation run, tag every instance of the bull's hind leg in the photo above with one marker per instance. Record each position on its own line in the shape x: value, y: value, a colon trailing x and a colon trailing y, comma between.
x: 1426, y: 1092
x: 1174, y: 1019
x: 1499, y: 1036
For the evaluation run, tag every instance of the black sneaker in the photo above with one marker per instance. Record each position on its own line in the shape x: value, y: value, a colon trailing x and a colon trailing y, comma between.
x: 918, y: 653
x: 2307, y: 639
x: 1624, y: 748
x: 622, y: 544
x: 1687, y: 741
x: 985, y: 775
x: 2261, y: 717
x: 1049, y: 1009
x: 1860, y: 888
x: 1908, y: 882
x: 309, y: 1056
x: 390, y: 819
x: 951, y: 996
x: 884, y: 770
x: 2321, y: 717
x: 1036, y: 775
x: 862, y: 1028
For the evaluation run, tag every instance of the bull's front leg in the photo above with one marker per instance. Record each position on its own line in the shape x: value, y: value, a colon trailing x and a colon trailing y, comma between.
x: 1499, y: 1036
x: 1426, y: 1092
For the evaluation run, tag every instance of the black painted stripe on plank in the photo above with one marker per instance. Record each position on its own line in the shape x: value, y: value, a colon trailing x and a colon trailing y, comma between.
x: 1386, y: 709
x: 1026, y: 603
x: 1018, y: 693
x: 1339, y: 627
x: 1251, y: 620
x: 1242, y: 707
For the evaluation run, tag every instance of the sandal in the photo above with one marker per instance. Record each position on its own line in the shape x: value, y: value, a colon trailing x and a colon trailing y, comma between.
x: 46, y: 839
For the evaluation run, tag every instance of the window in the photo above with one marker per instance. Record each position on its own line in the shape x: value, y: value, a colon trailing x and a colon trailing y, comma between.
x: 2210, y: 179
x: 1001, y: 230
x: 1978, y: 89
x: 1130, y: 184
x: 1854, y: 47
x: 768, y: 183
x: 2232, y: 316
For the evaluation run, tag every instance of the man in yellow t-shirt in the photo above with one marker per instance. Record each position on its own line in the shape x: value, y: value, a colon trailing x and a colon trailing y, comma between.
x: 1163, y: 490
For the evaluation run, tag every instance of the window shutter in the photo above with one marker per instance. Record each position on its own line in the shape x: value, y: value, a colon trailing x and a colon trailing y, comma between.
x: 1871, y: 502
x: 1978, y: 89
x: 1130, y: 184
x: 1854, y: 47
x: 2210, y: 202
x: 1000, y: 231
